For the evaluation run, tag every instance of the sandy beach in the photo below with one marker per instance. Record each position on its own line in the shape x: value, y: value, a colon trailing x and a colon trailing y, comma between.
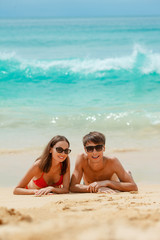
x: 81, y: 216
x: 120, y: 216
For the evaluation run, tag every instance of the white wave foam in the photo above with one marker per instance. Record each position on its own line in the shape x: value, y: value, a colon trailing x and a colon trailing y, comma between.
x: 154, y: 118
x: 7, y: 55
x: 145, y: 60
x: 152, y: 64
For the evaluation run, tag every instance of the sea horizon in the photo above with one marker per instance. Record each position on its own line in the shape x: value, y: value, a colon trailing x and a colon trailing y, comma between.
x: 82, y: 17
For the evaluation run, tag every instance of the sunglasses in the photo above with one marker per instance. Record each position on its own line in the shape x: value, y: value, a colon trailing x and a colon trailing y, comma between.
x: 98, y: 148
x: 60, y: 150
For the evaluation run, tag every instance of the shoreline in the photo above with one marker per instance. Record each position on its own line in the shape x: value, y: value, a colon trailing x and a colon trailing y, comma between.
x: 81, y: 216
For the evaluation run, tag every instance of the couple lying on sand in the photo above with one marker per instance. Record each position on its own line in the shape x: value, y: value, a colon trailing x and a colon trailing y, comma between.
x: 50, y: 173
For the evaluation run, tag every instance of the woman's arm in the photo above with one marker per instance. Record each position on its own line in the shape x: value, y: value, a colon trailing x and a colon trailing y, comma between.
x: 20, y: 189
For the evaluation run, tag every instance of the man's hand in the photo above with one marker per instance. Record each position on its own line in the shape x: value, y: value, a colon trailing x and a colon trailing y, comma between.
x: 93, y: 187
x: 106, y: 190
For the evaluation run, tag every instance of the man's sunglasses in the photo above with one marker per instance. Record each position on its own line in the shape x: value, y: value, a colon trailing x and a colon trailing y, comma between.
x: 98, y: 148
x: 60, y: 150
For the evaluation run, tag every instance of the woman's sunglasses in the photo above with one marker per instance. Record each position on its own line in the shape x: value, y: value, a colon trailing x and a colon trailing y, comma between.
x: 98, y: 148
x: 60, y: 150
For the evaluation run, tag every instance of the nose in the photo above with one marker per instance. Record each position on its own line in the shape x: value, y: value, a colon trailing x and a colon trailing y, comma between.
x: 94, y: 150
x: 63, y: 153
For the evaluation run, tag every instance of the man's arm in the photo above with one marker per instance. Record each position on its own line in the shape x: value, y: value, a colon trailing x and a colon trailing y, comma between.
x: 75, y: 185
x: 126, y: 183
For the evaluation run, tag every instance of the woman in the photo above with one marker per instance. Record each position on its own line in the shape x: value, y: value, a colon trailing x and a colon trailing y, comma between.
x: 51, y: 171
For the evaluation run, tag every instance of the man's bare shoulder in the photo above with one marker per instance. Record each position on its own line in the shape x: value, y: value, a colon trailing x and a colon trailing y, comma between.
x: 81, y: 158
x: 80, y: 161
x: 111, y: 160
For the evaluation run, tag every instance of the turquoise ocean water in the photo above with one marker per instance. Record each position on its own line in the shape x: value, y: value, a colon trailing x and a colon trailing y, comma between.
x: 71, y: 76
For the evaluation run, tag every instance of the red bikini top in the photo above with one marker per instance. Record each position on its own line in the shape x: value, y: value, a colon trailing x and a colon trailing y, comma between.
x: 41, y: 183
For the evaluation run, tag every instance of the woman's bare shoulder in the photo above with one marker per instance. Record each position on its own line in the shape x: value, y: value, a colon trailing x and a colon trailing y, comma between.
x: 36, y: 166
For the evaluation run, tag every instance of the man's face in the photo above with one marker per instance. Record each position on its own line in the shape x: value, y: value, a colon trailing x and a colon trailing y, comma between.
x: 94, y: 151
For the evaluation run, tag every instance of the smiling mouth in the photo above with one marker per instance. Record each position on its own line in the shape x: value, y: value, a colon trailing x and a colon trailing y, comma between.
x: 61, y: 157
x: 95, y: 157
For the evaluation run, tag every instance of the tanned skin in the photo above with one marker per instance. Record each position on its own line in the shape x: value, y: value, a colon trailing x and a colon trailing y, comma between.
x: 100, y: 174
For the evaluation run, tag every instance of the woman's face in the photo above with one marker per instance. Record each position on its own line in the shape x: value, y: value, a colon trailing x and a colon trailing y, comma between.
x: 57, y: 151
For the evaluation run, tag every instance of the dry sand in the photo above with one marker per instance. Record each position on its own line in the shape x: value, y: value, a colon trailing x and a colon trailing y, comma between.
x: 81, y: 216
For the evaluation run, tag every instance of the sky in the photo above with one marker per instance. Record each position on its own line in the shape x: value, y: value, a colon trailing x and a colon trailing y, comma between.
x: 78, y: 8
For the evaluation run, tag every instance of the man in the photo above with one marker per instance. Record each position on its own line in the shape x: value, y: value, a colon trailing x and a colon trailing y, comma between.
x: 100, y: 173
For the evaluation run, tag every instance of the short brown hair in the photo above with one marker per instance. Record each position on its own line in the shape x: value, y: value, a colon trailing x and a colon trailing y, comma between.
x: 95, y: 137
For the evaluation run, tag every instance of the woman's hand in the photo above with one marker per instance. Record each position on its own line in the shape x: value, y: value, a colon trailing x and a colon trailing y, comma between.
x: 44, y: 191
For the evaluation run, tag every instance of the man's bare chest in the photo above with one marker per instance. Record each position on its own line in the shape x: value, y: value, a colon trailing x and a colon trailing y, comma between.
x: 101, y: 175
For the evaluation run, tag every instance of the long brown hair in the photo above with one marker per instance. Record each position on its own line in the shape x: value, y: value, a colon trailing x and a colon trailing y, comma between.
x: 46, y: 157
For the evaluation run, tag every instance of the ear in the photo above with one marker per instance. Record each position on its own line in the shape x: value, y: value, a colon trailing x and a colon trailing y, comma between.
x: 85, y: 150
